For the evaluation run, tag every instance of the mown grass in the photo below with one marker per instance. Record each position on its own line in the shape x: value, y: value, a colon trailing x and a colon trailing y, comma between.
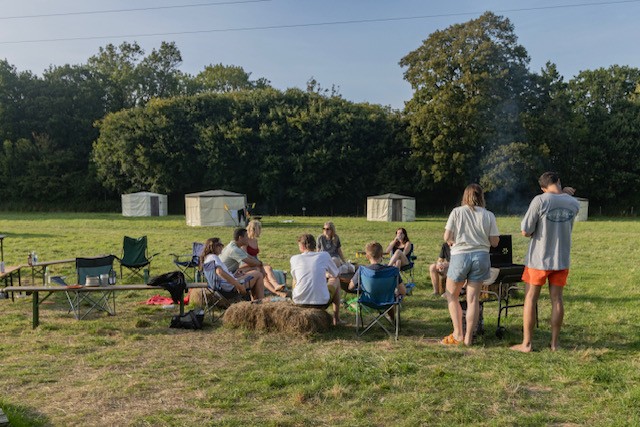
x: 131, y: 369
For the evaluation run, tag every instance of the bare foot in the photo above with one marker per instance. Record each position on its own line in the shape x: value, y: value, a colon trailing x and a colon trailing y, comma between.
x: 337, y: 322
x: 555, y: 347
x: 521, y: 348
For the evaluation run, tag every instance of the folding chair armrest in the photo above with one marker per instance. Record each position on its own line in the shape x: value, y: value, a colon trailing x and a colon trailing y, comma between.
x: 151, y: 257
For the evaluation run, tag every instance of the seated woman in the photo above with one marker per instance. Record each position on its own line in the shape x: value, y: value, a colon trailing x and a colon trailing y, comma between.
x: 329, y: 242
x: 400, y: 249
x: 242, y: 287
x: 254, y: 229
x: 438, y: 270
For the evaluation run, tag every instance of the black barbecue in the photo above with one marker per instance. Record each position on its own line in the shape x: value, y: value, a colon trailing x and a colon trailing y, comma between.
x: 508, y: 280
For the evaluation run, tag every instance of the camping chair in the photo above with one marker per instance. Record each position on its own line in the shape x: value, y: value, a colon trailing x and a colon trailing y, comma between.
x: 102, y: 301
x: 211, y: 295
x: 134, y: 256
x: 407, y: 274
x: 377, y: 291
x: 187, y: 262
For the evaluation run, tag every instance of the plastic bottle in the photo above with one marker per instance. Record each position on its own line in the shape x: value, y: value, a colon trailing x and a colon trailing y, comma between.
x: 1, y: 266
x: 35, y: 257
x: 47, y: 276
x: 30, y: 259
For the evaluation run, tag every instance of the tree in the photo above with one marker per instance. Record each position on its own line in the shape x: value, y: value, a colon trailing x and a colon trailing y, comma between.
x: 468, y: 81
x: 221, y: 78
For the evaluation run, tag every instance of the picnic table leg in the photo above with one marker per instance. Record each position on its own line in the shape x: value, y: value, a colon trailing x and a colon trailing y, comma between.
x: 36, y: 307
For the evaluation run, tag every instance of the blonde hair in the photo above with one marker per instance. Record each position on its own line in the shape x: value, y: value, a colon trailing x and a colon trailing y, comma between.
x: 254, y: 229
x: 473, y: 196
x: 330, y: 224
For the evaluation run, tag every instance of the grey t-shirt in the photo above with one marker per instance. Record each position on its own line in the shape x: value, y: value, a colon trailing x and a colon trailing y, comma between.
x: 232, y: 255
x: 549, y: 220
x: 328, y: 245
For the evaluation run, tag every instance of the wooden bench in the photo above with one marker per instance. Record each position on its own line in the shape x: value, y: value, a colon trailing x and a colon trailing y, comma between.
x: 49, y: 290
x: 9, y: 273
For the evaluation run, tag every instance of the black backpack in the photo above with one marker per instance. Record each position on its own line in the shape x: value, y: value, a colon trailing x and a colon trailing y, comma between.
x: 189, y: 320
x: 173, y: 282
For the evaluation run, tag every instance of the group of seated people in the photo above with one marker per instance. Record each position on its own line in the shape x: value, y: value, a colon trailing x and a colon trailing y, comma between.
x: 240, y: 275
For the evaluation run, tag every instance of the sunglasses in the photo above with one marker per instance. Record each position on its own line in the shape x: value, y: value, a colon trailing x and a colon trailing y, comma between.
x: 326, y: 228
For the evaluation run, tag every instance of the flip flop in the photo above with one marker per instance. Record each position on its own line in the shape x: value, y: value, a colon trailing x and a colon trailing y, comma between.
x: 450, y: 340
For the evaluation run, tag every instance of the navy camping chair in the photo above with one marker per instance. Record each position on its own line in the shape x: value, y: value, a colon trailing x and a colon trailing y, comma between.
x: 189, y: 262
x: 377, y: 292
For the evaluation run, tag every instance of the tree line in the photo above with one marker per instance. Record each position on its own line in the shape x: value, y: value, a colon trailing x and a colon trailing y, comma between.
x: 80, y: 135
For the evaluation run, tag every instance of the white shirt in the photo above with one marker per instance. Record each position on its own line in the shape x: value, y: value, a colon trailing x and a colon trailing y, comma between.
x: 471, y: 229
x: 226, y: 286
x: 309, y: 270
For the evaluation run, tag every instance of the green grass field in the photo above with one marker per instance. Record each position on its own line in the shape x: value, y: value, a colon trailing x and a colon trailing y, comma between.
x: 131, y: 369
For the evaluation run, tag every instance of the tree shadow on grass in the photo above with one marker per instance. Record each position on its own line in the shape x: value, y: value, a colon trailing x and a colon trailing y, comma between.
x: 20, y: 415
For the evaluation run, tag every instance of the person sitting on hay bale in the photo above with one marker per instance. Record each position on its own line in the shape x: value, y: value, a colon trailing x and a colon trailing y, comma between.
x: 233, y: 288
x: 233, y: 256
x: 311, y: 287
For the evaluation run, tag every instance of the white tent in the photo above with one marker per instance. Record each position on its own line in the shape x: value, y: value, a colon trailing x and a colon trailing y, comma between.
x: 215, y: 208
x: 391, y: 207
x: 144, y: 203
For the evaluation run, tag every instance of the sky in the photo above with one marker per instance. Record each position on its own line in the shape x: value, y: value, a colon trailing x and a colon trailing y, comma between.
x: 354, y: 45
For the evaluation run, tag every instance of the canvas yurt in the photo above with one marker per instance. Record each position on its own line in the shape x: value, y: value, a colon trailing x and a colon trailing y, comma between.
x: 391, y: 207
x: 215, y: 208
x: 144, y: 203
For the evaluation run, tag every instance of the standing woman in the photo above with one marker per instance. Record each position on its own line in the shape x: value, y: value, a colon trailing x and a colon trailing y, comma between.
x: 400, y: 249
x: 470, y: 230
x: 254, y: 229
x: 329, y: 241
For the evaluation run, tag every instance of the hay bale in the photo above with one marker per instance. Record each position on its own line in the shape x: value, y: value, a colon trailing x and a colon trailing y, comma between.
x: 282, y: 316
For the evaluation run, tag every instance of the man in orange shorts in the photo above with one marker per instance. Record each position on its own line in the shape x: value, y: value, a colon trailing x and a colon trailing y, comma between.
x: 549, y: 223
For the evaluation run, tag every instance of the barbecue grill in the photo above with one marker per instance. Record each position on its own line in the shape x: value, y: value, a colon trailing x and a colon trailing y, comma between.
x: 508, y: 280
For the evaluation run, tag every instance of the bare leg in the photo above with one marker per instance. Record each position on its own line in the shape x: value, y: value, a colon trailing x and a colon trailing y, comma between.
x: 557, y: 314
x: 272, y: 285
x: 455, y: 310
x: 257, y: 284
x: 531, y: 295
x: 435, y: 279
x: 473, y: 309
x: 333, y: 283
x: 268, y: 271
x: 398, y: 259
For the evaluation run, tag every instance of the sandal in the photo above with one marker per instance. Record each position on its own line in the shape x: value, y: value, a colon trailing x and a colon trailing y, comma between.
x: 450, y: 340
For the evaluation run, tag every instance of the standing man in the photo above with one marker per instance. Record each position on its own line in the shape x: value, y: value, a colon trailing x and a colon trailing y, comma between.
x: 549, y: 222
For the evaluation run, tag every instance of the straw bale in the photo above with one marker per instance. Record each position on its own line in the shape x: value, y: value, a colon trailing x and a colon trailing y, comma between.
x: 282, y: 316
x: 196, y: 297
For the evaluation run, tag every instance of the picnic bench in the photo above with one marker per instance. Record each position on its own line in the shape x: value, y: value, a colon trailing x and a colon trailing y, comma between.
x: 8, y: 274
x: 79, y: 290
x: 40, y: 268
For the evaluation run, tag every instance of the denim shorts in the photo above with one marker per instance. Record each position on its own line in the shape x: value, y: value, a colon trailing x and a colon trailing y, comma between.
x: 471, y: 266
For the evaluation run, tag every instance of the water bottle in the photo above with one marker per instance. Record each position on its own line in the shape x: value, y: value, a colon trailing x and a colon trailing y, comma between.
x: 47, y: 276
x: 35, y: 257
x: 30, y: 259
x: 1, y: 266
x: 145, y: 273
x: 112, y: 277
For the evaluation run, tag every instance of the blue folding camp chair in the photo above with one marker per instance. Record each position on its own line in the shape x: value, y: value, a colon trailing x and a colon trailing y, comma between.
x: 189, y: 262
x: 377, y: 291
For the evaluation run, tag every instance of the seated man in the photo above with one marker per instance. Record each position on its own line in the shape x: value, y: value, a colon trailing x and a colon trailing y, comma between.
x: 311, y: 287
x: 373, y: 252
x: 233, y: 256
x: 438, y: 270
